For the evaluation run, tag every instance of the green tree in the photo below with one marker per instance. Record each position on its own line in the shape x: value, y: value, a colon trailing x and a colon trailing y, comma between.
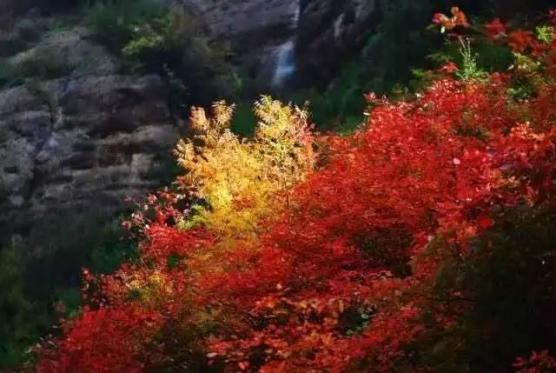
x: 17, y: 313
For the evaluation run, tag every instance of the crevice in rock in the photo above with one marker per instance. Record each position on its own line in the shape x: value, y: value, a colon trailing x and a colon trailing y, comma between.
x: 38, y: 90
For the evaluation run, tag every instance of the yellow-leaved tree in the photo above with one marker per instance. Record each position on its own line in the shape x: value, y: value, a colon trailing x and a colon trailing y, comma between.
x: 237, y: 178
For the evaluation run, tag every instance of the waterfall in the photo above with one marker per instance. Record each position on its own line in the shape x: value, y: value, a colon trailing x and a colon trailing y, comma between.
x: 285, y: 65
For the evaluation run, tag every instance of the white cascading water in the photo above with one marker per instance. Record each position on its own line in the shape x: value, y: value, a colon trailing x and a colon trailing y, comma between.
x: 285, y: 63
x: 285, y: 66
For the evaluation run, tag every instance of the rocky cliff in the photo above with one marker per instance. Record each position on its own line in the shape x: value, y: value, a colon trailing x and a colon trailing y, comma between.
x: 257, y: 19
x: 256, y: 30
x: 83, y: 141
x: 330, y: 31
x: 320, y: 30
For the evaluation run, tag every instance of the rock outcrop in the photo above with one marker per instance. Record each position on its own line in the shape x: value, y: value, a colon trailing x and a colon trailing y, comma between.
x: 84, y: 141
x: 329, y: 32
x: 322, y: 30
x: 256, y: 30
x: 247, y: 19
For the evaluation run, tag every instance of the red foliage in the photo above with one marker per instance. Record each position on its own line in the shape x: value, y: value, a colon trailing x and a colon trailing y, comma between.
x: 495, y: 29
x: 104, y: 340
x: 449, y: 68
x: 458, y: 19
x: 162, y: 242
x: 538, y: 362
x: 521, y: 40
x: 417, y: 170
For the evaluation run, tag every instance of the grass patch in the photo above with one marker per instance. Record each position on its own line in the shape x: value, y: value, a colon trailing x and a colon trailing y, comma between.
x: 43, y: 65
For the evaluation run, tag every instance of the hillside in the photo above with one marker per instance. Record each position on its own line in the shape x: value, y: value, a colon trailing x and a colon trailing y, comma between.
x: 390, y: 209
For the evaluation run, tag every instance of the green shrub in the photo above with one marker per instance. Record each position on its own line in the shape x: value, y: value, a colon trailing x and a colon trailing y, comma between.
x: 19, y: 317
x: 11, y: 44
x: 469, y: 67
x: 153, y: 38
x: 6, y: 72
x: 43, y: 65
x: 68, y: 241
x: 113, y: 21
x: 510, y: 279
x: 40, y: 278
x: 28, y: 30
x: 110, y: 249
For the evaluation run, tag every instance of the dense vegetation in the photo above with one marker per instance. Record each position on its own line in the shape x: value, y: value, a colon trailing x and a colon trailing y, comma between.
x: 421, y: 242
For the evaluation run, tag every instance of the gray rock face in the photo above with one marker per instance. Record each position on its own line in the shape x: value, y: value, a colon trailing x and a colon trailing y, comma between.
x: 75, y: 50
x: 253, y: 18
x: 78, y: 143
x: 85, y: 141
x: 8, y: 9
x: 322, y: 30
x: 329, y: 31
x: 255, y: 28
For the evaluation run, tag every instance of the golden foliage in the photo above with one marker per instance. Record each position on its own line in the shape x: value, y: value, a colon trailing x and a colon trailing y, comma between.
x: 236, y: 177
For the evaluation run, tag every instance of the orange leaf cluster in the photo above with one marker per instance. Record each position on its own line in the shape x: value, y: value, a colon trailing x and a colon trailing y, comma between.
x: 458, y: 19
